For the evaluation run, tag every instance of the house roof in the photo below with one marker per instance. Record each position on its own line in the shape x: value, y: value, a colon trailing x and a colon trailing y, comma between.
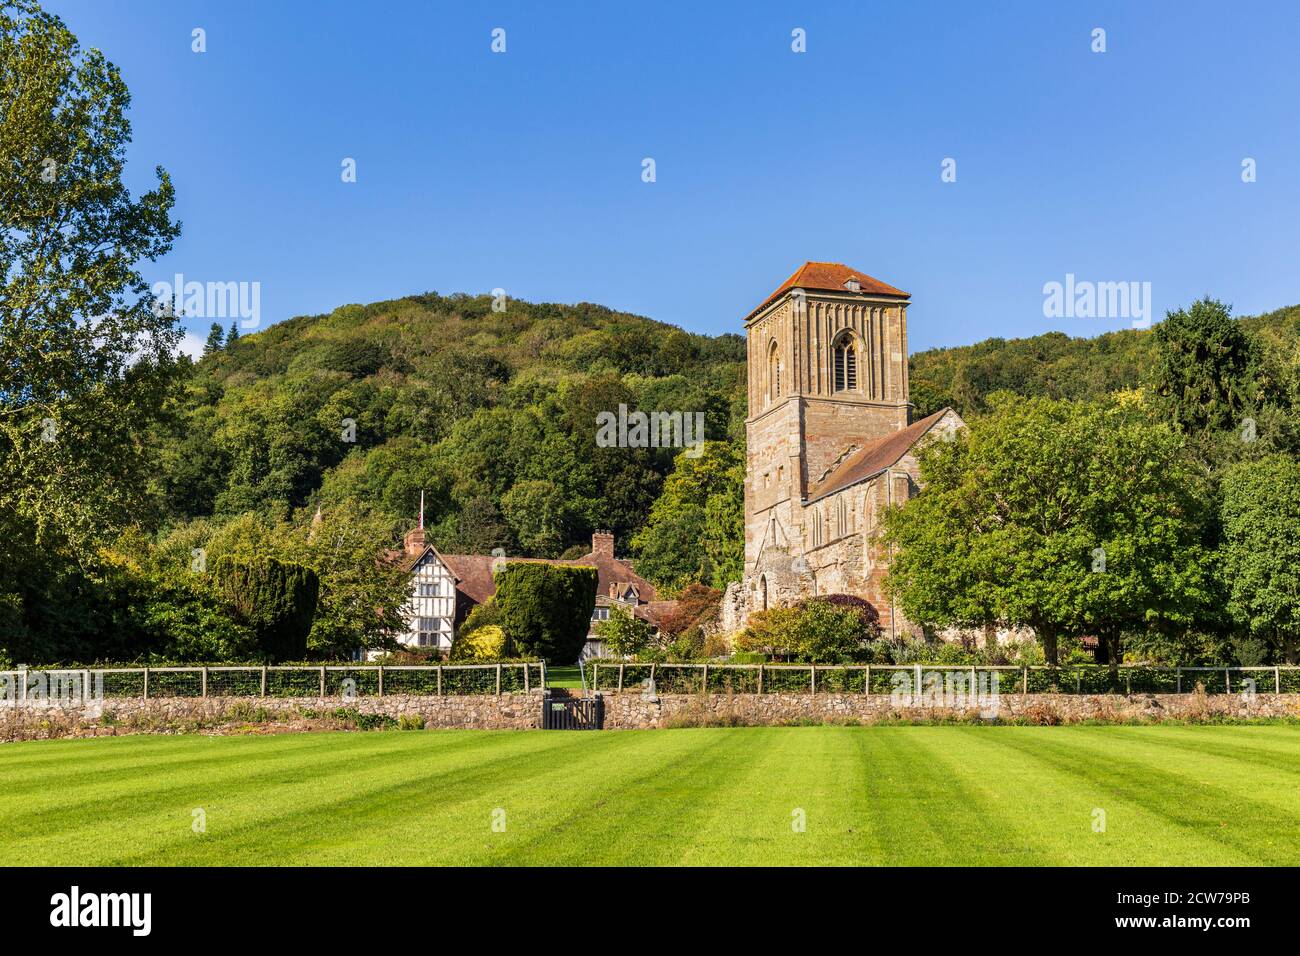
x: 875, y: 457
x: 828, y: 277
x: 655, y: 612
x: 474, y: 573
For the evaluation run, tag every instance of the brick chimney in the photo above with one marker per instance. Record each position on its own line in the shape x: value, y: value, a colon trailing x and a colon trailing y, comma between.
x: 414, y: 542
x: 602, y: 542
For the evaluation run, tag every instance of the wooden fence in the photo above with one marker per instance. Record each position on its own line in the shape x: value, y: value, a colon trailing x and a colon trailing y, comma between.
x: 917, y: 678
x: 359, y: 680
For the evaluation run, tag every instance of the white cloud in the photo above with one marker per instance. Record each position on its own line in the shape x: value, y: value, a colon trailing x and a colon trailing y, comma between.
x: 191, y: 345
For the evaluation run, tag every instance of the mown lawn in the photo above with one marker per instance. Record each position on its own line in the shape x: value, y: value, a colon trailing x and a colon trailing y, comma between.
x: 869, y: 795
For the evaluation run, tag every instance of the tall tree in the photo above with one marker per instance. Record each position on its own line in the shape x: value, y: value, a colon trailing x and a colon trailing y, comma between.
x: 1261, y: 550
x: 1204, y: 369
x: 695, y: 533
x: 87, y: 358
x: 1068, y: 518
x: 216, y: 338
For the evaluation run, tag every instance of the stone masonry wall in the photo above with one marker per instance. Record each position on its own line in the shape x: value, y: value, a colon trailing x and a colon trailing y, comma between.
x: 622, y: 712
x: 627, y: 711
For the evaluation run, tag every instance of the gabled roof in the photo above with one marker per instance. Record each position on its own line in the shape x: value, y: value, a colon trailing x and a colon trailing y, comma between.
x: 875, y: 457
x: 829, y: 277
x: 408, y: 561
x: 474, y: 573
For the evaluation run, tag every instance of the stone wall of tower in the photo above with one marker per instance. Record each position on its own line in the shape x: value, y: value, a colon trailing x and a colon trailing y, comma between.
x: 797, y: 434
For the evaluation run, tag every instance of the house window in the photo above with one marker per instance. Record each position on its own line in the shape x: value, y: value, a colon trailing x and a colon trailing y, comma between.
x: 600, y: 614
x: 846, y: 364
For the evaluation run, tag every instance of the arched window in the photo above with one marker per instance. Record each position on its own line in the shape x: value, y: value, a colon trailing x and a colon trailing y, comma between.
x: 774, y: 371
x: 846, y: 363
x: 762, y: 593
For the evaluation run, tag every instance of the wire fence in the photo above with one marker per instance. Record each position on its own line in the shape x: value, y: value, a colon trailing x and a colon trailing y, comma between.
x: 37, y: 684
x: 717, y: 678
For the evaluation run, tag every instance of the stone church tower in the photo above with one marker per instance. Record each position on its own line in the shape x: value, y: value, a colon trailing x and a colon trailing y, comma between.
x: 830, y: 440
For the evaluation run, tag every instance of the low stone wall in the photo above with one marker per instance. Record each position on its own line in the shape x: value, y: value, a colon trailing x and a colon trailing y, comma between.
x: 629, y: 711
x: 116, y: 716
x: 622, y: 712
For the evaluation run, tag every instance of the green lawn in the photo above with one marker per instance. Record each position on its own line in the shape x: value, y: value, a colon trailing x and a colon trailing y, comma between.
x: 564, y: 676
x: 869, y: 795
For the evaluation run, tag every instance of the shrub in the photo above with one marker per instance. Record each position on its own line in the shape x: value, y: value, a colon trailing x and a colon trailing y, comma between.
x: 482, y: 644
x: 546, y: 609
x: 864, y: 608
x: 697, y: 604
x: 625, y: 634
x: 688, y: 646
x: 276, y: 599
x: 815, y: 630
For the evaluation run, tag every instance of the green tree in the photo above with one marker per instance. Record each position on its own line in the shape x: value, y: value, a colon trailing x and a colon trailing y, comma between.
x: 87, y: 364
x: 1261, y: 550
x: 624, y: 634
x: 540, y: 515
x: 1204, y: 369
x: 1065, y: 517
x: 546, y: 609
x: 216, y: 339
x: 695, y: 532
x: 276, y: 599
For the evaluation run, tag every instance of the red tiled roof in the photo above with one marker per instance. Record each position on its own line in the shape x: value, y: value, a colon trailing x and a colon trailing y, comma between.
x: 872, y: 459
x: 474, y: 572
x: 655, y: 612
x: 829, y: 276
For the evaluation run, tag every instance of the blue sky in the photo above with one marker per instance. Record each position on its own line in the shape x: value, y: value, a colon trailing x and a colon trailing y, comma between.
x: 522, y: 170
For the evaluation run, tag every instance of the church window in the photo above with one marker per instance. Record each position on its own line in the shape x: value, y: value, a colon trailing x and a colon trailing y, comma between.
x: 774, y: 371
x: 846, y: 363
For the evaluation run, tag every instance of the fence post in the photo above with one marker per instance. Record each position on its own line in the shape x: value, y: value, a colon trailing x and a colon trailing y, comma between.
x: 1024, y: 681
x: 812, y: 677
x: 439, y: 680
x: 1227, y: 681
x: 1277, y: 680
x: 24, y: 693
x: 595, y: 673
x: 866, y: 685
x: 652, y: 678
x: 704, y: 688
x: 146, y: 683
x: 918, y: 682
x: 620, y: 677
x: 1178, y: 688
x: 526, y: 688
x: 263, y: 680
x: 760, y: 678
x: 970, y: 691
x: 381, y: 680
x: 203, y: 692
x: 322, y: 681
x: 498, y: 678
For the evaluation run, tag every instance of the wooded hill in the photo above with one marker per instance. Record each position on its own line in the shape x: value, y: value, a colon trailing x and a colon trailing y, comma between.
x: 1055, y: 365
